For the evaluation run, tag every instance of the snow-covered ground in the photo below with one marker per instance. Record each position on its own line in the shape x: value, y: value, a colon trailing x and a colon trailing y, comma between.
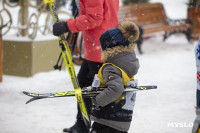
x: 170, y: 109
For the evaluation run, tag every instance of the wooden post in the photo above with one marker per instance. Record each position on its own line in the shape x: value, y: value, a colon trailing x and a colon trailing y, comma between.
x: 1, y: 57
x: 23, y: 16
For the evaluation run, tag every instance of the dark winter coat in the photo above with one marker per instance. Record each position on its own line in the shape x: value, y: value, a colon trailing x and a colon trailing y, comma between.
x: 113, y: 107
x: 197, y: 55
x: 96, y: 16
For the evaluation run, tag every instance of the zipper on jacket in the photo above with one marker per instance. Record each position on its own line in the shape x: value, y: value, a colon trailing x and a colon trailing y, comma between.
x: 90, y: 38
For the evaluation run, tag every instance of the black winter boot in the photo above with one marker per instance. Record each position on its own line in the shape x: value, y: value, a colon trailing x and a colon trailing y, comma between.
x: 78, y: 127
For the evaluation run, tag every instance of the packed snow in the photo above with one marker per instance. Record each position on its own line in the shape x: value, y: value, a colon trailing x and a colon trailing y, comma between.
x: 169, y: 109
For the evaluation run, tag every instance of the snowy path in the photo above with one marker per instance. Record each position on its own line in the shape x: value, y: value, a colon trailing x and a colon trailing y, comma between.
x: 170, y: 65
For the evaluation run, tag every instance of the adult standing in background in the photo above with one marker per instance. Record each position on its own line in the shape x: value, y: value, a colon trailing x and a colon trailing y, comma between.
x: 196, y: 126
x: 95, y: 17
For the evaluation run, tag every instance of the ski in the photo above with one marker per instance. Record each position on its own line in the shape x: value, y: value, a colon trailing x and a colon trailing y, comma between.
x: 67, y: 57
x: 86, y: 92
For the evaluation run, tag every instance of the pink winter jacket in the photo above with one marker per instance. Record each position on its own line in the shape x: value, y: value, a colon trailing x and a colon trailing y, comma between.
x: 96, y: 16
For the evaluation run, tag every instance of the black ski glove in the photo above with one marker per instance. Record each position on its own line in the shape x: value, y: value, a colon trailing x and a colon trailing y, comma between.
x: 59, y: 28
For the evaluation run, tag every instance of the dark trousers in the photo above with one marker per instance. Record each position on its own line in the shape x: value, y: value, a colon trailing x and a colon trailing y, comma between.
x: 99, y: 128
x: 87, y: 71
x: 198, y: 98
x: 85, y: 77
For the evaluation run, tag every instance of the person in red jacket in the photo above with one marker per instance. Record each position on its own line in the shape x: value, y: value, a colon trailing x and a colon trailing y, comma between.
x: 95, y: 17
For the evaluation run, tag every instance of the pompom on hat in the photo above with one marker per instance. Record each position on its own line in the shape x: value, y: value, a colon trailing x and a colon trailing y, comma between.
x: 125, y: 34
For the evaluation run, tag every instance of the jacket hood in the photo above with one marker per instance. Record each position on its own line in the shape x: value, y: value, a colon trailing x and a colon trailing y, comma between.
x: 126, y: 61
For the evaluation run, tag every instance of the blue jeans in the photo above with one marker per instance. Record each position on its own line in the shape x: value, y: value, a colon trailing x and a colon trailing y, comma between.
x: 198, y: 98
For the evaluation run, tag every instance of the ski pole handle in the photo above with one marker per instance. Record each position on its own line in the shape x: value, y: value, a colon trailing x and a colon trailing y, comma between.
x: 48, y: 1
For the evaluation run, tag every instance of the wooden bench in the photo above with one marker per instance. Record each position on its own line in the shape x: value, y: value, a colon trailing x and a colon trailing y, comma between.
x: 151, y: 18
x: 194, y: 14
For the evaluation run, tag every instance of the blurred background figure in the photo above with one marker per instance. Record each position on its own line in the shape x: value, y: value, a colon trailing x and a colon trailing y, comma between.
x: 196, y: 126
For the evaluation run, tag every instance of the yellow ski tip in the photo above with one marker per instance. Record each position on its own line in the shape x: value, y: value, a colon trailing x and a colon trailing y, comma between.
x: 48, y: 1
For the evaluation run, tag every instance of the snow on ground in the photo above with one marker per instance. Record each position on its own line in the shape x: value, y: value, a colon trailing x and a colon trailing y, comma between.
x: 171, y: 66
x: 170, y: 109
x: 174, y: 8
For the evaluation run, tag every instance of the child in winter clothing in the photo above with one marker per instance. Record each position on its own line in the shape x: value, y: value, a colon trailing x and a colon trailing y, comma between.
x: 113, y: 108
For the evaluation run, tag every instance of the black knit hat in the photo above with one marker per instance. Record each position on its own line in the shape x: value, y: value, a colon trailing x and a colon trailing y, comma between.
x: 126, y: 33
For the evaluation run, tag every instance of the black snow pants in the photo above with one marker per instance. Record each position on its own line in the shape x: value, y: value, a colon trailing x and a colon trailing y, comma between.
x: 85, y: 77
